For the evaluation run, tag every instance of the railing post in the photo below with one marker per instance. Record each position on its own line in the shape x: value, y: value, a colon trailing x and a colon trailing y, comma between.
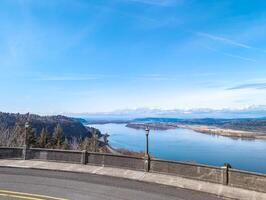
x: 84, y: 160
x: 226, y: 173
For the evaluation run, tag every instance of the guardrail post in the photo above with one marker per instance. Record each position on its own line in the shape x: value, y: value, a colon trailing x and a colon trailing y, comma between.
x: 225, y: 169
x: 24, y: 152
x: 84, y: 160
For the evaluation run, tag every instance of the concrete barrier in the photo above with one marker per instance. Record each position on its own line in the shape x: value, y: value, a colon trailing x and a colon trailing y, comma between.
x: 221, y: 175
x: 122, y: 161
x: 247, y: 180
x: 7, y: 152
x: 188, y: 170
x: 54, y: 155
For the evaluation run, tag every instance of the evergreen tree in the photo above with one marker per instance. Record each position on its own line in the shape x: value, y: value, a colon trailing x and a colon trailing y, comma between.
x: 65, y: 144
x: 42, y: 142
x: 57, y: 137
x: 50, y: 141
x: 31, y: 137
x: 85, y: 144
x: 17, y: 139
x: 89, y: 144
x: 94, y: 143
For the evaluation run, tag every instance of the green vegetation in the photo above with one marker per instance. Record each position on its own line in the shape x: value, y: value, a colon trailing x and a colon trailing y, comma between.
x: 54, y: 132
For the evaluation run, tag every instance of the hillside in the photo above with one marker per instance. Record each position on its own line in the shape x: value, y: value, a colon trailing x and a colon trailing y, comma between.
x: 70, y: 127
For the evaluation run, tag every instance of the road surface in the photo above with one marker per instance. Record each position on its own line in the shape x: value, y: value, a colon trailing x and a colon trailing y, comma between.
x: 34, y: 184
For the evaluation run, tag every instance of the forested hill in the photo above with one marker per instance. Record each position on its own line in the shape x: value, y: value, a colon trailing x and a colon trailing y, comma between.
x: 70, y: 127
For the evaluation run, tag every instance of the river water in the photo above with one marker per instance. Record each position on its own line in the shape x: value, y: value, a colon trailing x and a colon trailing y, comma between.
x: 188, y: 145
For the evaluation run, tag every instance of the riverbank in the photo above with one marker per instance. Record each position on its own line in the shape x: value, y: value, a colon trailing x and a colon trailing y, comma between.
x: 224, y: 132
x: 206, y: 129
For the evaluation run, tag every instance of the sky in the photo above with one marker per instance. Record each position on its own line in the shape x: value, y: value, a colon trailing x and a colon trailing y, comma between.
x: 75, y: 56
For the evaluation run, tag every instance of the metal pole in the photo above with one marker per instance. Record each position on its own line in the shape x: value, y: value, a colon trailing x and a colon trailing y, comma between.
x: 26, y: 134
x: 25, y: 148
x: 147, y: 142
x: 147, y: 155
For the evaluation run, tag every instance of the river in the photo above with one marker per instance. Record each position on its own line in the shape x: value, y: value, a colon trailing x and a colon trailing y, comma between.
x: 188, y: 145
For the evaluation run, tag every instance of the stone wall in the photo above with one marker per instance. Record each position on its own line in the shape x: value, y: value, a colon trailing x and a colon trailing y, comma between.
x: 54, y: 155
x: 121, y: 161
x: 247, y: 180
x: 188, y: 170
x: 220, y: 175
x: 6, y: 153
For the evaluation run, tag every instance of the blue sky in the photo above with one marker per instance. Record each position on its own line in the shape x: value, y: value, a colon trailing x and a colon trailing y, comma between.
x: 104, y: 55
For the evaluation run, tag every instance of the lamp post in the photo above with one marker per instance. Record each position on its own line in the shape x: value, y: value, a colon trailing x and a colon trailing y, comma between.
x: 147, y: 131
x: 25, y: 141
x: 147, y: 155
x: 27, y: 125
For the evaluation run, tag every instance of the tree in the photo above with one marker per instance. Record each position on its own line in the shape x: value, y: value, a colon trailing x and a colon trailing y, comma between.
x: 94, y: 144
x: 17, y: 135
x: 85, y: 144
x: 50, y: 141
x: 65, y: 144
x: 42, y: 142
x: 57, y: 137
x: 31, y: 137
x: 89, y: 144
x: 75, y: 142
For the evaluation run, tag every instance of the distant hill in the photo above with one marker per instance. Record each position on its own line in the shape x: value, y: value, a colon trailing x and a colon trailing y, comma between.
x: 70, y: 127
x: 243, y: 124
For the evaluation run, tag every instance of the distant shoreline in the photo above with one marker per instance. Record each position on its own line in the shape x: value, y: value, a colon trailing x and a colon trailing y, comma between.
x: 224, y: 132
x: 212, y: 130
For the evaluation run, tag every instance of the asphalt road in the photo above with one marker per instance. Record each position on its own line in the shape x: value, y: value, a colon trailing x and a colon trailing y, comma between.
x: 52, y: 185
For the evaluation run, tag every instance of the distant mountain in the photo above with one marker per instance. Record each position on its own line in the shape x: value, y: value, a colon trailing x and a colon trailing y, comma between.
x: 70, y: 127
x: 129, y: 114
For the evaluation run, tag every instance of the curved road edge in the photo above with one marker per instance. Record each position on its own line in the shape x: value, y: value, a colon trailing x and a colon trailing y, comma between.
x: 42, y: 184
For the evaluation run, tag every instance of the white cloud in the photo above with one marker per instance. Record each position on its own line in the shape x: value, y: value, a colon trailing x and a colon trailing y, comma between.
x: 224, y: 40
x: 232, y: 55
x: 258, y: 86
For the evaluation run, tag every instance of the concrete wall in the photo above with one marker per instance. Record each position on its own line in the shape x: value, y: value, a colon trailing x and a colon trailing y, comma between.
x: 188, y: 170
x: 54, y: 155
x: 128, y: 162
x: 247, y: 180
x: 6, y: 153
x: 221, y: 175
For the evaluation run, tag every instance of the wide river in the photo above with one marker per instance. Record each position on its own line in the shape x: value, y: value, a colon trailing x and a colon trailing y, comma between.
x: 188, y: 145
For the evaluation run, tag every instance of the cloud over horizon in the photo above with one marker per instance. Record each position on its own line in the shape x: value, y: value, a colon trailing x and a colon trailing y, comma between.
x: 260, y: 86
